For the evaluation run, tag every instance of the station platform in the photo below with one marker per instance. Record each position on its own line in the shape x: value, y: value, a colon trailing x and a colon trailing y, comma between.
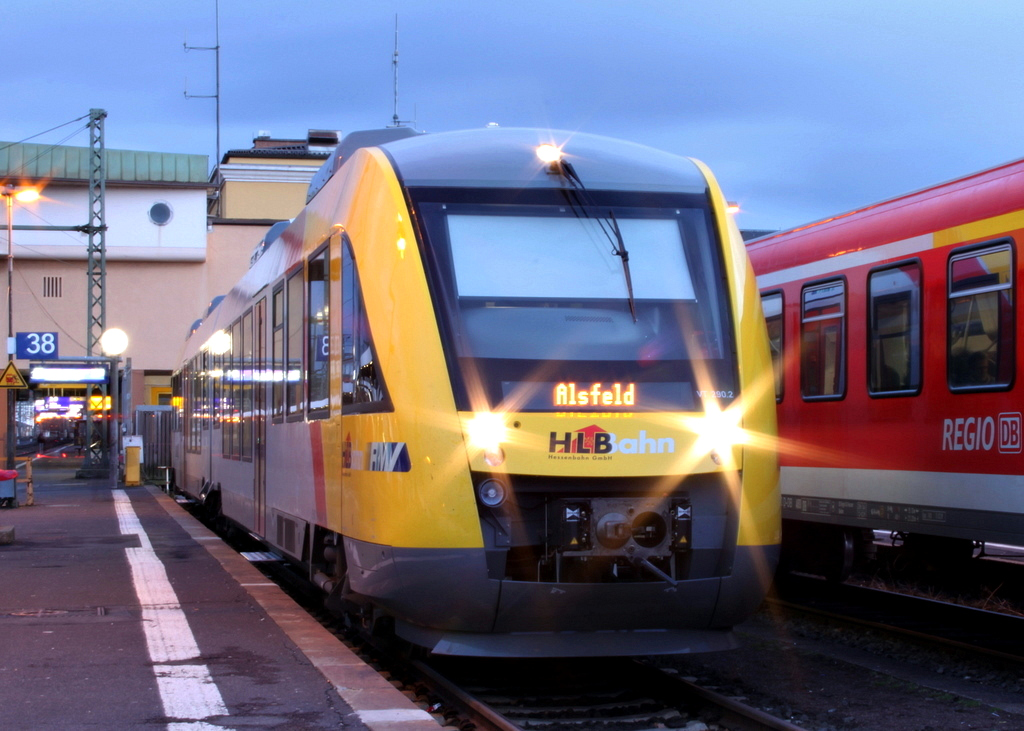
x: 118, y: 610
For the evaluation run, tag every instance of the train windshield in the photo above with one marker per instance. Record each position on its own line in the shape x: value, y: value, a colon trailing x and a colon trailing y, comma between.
x: 552, y: 307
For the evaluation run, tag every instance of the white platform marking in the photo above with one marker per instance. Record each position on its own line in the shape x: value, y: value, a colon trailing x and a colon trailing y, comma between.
x: 187, y: 691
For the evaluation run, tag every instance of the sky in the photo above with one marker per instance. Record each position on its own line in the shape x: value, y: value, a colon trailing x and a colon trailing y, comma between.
x: 802, y: 108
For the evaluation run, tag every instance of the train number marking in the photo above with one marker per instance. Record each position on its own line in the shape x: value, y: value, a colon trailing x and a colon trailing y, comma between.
x: 714, y: 394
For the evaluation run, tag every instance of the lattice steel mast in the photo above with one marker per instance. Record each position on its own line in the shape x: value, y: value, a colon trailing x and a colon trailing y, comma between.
x: 96, y: 312
x: 96, y: 315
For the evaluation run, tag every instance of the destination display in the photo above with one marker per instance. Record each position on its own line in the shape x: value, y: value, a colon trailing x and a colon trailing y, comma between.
x: 599, y: 396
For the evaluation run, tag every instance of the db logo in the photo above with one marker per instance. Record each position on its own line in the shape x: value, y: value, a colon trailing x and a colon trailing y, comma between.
x: 1010, y: 433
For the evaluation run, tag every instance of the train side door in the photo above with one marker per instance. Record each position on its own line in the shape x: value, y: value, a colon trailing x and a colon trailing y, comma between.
x: 259, y: 411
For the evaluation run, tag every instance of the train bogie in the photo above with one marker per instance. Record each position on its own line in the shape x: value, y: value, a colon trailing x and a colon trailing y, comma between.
x: 504, y: 405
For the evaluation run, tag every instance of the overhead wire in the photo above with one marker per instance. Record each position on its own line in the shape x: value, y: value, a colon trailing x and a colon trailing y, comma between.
x: 45, y: 149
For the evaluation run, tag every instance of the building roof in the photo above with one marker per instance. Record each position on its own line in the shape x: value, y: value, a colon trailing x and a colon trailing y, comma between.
x: 27, y: 161
x: 266, y: 146
x: 298, y: 152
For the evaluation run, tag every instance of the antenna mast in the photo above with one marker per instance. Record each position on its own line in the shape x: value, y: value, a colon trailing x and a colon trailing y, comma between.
x: 216, y: 50
x: 395, y: 121
x: 394, y: 66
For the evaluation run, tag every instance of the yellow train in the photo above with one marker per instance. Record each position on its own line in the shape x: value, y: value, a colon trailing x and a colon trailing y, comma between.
x: 502, y: 392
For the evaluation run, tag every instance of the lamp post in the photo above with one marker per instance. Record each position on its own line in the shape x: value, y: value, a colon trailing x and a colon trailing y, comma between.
x: 10, y: 192
x: 113, y: 342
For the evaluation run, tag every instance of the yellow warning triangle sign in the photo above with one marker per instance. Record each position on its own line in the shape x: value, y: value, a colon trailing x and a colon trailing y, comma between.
x: 11, y: 377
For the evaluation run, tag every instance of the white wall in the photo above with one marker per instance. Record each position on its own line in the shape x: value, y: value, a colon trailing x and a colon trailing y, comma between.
x: 131, y: 235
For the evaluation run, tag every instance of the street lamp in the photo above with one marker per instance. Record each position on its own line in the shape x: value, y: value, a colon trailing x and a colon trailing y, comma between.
x: 113, y: 342
x: 24, y: 195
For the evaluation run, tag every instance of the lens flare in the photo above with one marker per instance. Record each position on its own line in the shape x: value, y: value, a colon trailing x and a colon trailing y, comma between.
x: 549, y: 153
x: 487, y: 431
x: 718, y: 431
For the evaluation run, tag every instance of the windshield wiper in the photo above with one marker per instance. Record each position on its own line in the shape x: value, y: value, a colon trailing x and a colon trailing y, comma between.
x: 580, y: 207
x: 620, y: 251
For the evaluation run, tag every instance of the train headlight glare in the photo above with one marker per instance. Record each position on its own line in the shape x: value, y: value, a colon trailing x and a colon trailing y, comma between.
x: 718, y: 431
x: 487, y: 432
x: 549, y: 153
x: 492, y: 493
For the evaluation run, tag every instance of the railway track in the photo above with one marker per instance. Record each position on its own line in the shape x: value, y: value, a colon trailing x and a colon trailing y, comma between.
x: 613, y: 694
x: 994, y: 635
x: 593, y: 695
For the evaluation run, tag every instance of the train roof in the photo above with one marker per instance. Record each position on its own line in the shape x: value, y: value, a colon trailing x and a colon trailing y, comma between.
x: 506, y: 157
x: 498, y: 158
x: 349, y: 144
x: 979, y: 196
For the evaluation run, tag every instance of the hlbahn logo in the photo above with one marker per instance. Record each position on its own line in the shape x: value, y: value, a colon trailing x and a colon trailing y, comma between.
x: 593, y: 442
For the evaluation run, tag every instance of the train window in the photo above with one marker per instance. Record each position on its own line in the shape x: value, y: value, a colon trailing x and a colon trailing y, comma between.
x: 894, y: 330
x: 362, y: 388
x: 176, y: 399
x: 186, y: 404
x: 981, y: 318
x: 224, y: 407
x: 204, y: 392
x: 539, y: 297
x: 245, y: 387
x: 822, y: 335
x: 186, y: 416
x: 216, y: 383
x: 232, y: 433
x: 195, y: 425
x: 318, y: 358
x: 225, y: 398
x: 277, y: 356
x: 259, y: 374
x: 293, y: 345
x: 772, y: 305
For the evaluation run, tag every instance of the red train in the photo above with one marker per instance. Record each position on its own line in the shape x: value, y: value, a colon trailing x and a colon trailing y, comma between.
x: 894, y: 339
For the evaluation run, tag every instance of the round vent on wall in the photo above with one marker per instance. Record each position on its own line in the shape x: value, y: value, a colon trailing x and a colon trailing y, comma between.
x: 160, y: 213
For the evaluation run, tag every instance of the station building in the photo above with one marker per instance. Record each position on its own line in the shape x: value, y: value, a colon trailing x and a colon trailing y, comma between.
x: 178, y: 236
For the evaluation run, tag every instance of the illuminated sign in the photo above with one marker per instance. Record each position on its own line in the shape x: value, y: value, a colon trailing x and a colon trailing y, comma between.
x: 59, y: 404
x: 611, y: 397
x: 616, y: 394
x: 68, y: 374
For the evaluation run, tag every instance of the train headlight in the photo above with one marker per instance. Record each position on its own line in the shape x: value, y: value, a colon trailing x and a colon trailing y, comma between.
x: 719, y: 431
x: 492, y: 493
x: 549, y: 154
x: 487, y: 432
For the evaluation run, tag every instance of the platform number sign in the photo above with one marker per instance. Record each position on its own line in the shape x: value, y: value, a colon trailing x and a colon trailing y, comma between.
x: 36, y: 346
